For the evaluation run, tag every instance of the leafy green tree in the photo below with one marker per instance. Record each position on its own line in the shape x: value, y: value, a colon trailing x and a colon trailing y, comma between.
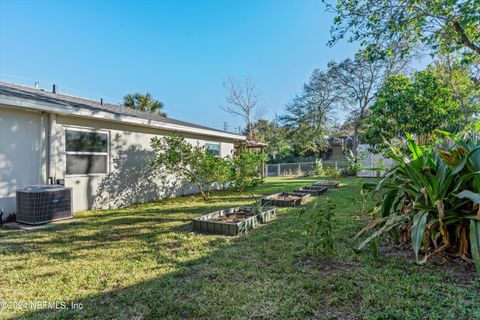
x: 418, y: 106
x: 275, y: 136
x: 461, y: 80
x: 246, y: 169
x: 358, y: 80
x: 309, y: 114
x: 443, y: 26
x: 175, y: 156
x: 143, y: 102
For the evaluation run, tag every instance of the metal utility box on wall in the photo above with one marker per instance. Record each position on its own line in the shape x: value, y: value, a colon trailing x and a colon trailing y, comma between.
x: 43, y: 203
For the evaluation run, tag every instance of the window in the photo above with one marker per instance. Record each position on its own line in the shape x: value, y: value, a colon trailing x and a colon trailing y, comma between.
x: 86, y: 152
x: 213, y: 149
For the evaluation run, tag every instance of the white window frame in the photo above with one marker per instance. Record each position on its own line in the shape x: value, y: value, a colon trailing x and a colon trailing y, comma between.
x: 219, y: 147
x: 65, y: 152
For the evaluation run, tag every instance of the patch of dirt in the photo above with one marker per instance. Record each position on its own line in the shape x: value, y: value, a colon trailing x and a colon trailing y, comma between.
x: 285, y: 197
x: 330, y: 312
x: 324, y: 265
x: 460, y: 270
x: 234, y: 217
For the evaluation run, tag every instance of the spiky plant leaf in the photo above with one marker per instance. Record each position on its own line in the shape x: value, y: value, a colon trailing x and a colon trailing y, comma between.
x: 418, y: 230
x: 475, y: 197
x: 475, y: 242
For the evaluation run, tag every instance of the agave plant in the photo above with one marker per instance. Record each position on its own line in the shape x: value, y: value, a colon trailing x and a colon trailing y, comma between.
x: 430, y: 198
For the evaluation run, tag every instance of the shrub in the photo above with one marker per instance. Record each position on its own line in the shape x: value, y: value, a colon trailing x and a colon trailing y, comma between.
x: 246, y: 170
x: 430, y: 198
x: 320, y: 227
x: 174, y: 155
x: 332, y: 172
x: 318, y: 168
x: 352, y: 165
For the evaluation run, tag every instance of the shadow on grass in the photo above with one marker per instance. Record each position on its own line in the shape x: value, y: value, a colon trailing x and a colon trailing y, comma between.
x: 185, y: 292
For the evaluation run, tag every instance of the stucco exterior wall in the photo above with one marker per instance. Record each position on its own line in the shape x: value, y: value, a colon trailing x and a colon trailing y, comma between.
x: 130, y: 179
x: 22, y: 151
x: 24, y: 160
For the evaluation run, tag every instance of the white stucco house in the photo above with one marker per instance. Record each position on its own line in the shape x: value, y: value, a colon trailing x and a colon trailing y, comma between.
x: 102, y: 151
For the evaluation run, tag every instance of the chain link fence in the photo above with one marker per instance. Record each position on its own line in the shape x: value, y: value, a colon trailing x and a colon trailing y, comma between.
x: 301, y: 168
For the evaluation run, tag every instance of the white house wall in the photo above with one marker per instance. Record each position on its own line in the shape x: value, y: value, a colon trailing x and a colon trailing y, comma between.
x: 130, y: 179
x: 24, y: 148
x: 22, y: 152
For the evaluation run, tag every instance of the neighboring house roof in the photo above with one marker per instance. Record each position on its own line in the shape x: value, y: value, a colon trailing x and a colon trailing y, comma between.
x: 38, y: 99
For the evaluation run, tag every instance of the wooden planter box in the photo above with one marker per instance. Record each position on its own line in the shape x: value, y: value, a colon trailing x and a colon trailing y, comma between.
x: 273, y: 201
x: 327, y: 184
x: 313, y: 190
x: 204, y: 223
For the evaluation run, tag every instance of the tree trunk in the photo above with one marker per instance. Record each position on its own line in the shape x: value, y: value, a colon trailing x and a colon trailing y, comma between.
x: 202, y: 192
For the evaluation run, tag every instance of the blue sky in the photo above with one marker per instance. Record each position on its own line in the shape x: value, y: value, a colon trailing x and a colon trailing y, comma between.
x: 179, y: 51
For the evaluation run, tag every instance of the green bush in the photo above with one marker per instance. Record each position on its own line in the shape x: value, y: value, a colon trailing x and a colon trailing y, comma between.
x: 431, y: 198
x: 320, y: 228
x: 246, y: 170
x: 174, y: 155
x: 332, y: 172
x: 318, y: 168
x: 353, y: 166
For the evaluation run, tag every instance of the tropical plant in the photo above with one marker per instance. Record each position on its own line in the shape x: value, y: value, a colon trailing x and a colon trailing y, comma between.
x: 353, y: 165
x: 431, y: 198
x: 318, y: 168
x: 143, y: 102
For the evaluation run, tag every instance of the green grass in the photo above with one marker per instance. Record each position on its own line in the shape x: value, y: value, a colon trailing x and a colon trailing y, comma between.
x: 145, y: 263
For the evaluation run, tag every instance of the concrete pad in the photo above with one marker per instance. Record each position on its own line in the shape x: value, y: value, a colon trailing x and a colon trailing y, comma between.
x: 28, y: 227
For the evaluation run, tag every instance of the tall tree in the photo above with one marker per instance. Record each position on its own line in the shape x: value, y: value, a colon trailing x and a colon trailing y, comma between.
x: 460, y: 78
x: 242, y: 101
x: 443, y: 26
x: 358, y: 80
x: 418, y: 106
x: 276, y: 136
x: 308, y: 115
x: 143, y: 102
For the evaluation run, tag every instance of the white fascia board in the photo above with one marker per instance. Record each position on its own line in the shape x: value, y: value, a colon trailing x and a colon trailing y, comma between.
x: 108, y: 116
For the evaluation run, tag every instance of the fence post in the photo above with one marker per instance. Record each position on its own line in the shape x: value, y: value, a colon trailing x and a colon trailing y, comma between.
x: 299, y: 169
x: 278, y: 169
x: 336, y: 167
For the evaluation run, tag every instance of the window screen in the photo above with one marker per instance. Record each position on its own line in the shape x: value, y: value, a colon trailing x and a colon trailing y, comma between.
x: 83, y: 141
x: 213, y: 149
x: 86, y: 152
x: 86, y: 164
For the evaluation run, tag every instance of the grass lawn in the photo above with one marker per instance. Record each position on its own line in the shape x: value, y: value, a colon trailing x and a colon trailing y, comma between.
x: 145, y: 263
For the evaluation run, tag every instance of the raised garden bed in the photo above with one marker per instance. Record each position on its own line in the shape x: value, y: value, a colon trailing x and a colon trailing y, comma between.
x: 313, y: 190
x: 328, y: 184
x: 286, y: 199
x: 233, y: 221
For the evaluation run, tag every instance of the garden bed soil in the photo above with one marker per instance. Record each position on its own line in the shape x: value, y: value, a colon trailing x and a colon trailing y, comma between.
x: 286, y: 199
x: 234, y: 217
x: 312, y: 191
x: 327, y: 183
x: 233, y: 221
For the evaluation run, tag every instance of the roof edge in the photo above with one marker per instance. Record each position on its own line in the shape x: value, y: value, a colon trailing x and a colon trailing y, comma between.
x: 111, y: 116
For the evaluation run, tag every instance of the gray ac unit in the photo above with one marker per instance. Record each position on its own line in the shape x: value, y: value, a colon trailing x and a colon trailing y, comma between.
x: 43, y: 203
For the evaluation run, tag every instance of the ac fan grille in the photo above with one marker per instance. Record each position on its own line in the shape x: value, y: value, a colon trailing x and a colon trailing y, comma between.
x: 44, y: 206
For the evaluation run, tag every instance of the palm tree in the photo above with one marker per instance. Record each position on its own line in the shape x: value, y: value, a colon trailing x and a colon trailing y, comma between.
x: 143, y: 102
